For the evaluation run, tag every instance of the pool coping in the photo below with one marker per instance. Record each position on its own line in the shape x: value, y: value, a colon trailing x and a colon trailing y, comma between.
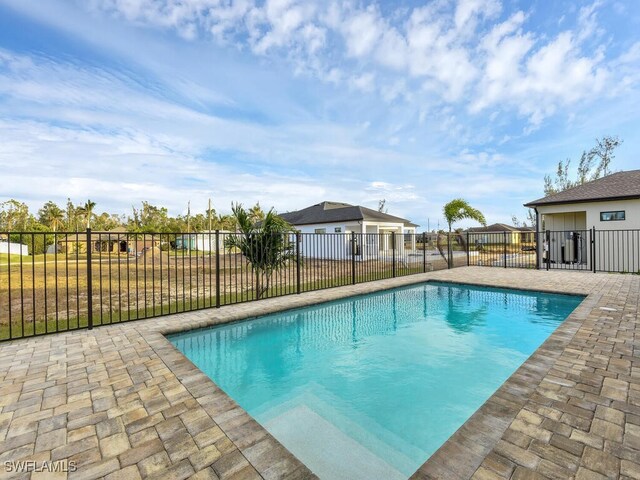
x: 465, y: 450
x: 105, y: 400
x: 459, y: 457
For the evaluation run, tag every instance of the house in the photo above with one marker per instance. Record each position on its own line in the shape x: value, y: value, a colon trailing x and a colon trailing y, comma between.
x: 378, y: 233
x: 496, y: 234
x: 605, y: 211
x: 202, y: 241
x: 12, y: 248
x: 115, y: 241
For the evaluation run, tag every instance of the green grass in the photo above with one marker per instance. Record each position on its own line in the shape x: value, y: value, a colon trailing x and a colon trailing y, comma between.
x: 26, y: 259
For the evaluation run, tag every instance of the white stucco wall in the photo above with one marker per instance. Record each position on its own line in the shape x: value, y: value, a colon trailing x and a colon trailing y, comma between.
x: 337, y: 245
x: 617, y: 243
x: 330, y: 245
x: 14, y: 248
x: 592, y: 211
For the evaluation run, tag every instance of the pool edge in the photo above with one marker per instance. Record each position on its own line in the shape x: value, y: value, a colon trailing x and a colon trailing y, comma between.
x: 463, y: 452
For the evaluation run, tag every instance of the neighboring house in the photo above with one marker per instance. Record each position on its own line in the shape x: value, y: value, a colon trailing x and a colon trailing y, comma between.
x: 202, y: 241
x: 611, y: 205
x: 378, y: 233
x: 12, y: 248
x: 115, y: 241
x: 496, y: 234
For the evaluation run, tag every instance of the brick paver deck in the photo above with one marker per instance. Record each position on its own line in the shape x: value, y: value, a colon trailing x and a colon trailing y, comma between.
x: 121, y: 402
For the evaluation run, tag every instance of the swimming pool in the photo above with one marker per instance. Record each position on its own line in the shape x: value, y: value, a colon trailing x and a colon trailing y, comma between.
x: 371, y: 386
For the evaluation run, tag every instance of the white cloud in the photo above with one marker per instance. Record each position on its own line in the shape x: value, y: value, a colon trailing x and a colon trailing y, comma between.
x: 449, y: 49
x: 222, y: 116
x: 469, y: 12
x: 364, y: 82
x: 362, y: 30
x: 535, y: 77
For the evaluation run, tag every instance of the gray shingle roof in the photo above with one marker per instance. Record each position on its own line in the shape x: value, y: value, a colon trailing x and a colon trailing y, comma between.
x: 620, y: 185
x: 335, y: 212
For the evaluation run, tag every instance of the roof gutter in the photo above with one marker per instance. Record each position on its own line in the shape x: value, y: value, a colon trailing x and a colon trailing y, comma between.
x: 591, y: 200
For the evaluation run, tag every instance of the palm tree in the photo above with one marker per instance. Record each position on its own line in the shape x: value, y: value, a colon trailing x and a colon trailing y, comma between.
x: 454, y: 211
x: 265, y: 245
x: 51, y: 215
x: 55, y: 218
x: 87, y: 211
x: 256, y: 214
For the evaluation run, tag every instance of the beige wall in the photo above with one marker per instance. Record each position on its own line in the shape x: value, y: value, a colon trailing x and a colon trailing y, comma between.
x: 614, y: 251
x: 591, y: 215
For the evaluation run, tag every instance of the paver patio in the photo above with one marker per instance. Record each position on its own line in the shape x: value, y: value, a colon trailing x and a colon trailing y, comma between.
x: 121, y: 402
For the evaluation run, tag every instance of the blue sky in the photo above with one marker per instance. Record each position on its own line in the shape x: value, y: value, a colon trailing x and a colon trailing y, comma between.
x: 292, y: 102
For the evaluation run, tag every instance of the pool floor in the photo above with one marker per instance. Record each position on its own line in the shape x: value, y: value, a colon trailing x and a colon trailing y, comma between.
x: 371, y: 386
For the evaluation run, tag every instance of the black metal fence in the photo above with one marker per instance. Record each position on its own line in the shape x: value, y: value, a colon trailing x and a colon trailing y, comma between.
x: 71, y: 280
x: 52, y: 282
x: 503, y: 249
x: 589, y: 250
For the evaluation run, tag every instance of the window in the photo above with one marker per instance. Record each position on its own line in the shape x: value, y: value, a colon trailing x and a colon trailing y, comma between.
x: 320, y: 230
x: 337, y: 229
x: 612, y: 216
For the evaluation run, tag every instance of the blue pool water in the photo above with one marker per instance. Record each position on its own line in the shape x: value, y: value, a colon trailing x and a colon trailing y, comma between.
x: 371, y: 386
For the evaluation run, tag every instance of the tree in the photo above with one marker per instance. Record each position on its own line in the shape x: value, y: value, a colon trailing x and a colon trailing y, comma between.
x: 604, y: 151
x: 106, y: 221
x: 51, y: 215
x: 516, y: 223
x: 15, y: 216
x: 227, y: 222
x: 72, y: 217
x: 266, y: 245
x: 150, y: 218
x: 454, y: 211
x: 86, y: 212
x: 586, y: 171
x: 256, y: 214
x: 211, y: 216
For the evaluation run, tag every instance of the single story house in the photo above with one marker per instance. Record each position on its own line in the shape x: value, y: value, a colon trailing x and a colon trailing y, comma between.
x: 115, y: 241
x: 605, y: 211
x: 495, y: 234
x: 202, y: 241
x: 378, y: 232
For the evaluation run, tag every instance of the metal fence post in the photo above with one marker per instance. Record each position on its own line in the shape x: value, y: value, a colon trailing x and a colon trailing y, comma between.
x: 298, y: 289
x: 593, y: 249
x: 393, y: 254
x: 424, y: 252
x: 449, y: 252
x: 536, y: 238
x: 217, y: 268
x: 353, y: 258
x: 547, y: 236
x: 468, y: 260
x: 89, y: 283
x: 504, y: 248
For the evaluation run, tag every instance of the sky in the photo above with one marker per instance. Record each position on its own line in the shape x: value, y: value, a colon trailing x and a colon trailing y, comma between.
x: 293, y: 102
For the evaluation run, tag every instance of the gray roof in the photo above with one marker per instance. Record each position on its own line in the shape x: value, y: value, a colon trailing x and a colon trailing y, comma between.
x: 499, y: 227
x: 335, y: 212
x: 617, y: 186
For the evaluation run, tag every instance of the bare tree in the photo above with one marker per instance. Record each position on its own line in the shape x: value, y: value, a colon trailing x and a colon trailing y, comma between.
x: 602, y: 151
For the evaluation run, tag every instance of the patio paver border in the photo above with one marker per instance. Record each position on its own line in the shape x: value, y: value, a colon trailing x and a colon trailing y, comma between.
x: 512, y: 435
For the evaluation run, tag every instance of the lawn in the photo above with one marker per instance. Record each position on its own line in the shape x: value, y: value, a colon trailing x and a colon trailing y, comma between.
x: 38, y: 296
